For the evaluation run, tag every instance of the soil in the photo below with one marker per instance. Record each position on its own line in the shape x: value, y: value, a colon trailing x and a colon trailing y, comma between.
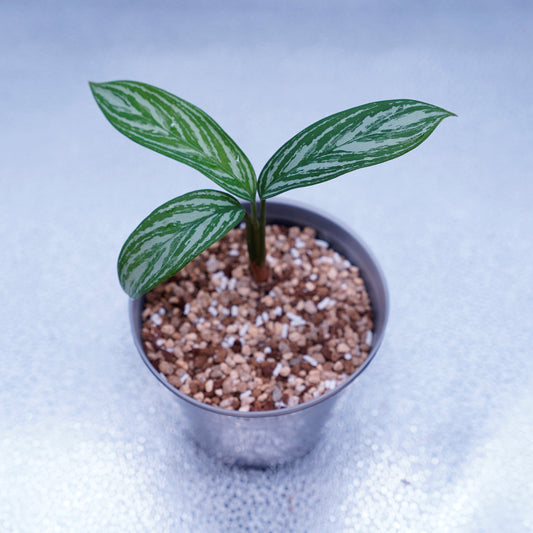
x: 225, y: 340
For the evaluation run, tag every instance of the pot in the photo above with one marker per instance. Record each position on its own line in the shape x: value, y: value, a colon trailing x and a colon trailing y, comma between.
x: 269, y: 438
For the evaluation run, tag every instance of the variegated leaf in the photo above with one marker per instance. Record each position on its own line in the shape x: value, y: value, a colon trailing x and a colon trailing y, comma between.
x: 171, y: 126
x: 173, y: 235
x: 352, y: 139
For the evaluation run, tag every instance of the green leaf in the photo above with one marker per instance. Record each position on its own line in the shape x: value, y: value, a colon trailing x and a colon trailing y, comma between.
x: 173, y: 127
x: 352, y: 139
x: 173, y: 235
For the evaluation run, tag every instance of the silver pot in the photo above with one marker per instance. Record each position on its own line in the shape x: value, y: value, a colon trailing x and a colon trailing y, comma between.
x: 269, y: 438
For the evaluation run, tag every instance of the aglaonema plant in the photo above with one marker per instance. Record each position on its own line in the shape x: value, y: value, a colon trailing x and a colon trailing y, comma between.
x: 178, y: 231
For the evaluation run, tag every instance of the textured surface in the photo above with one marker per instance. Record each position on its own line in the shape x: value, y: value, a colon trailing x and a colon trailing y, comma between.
x: 436, y: 434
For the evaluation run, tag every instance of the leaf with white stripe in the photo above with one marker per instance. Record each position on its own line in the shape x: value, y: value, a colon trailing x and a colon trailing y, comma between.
x: 352, y: 139
x: 173, y: 127
x: 173, y: 235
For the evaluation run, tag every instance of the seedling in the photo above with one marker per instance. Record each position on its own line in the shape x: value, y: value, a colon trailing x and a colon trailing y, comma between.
x: 179, y: 230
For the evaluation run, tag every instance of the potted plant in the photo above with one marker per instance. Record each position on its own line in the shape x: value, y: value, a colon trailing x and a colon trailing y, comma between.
x: 256, y: 346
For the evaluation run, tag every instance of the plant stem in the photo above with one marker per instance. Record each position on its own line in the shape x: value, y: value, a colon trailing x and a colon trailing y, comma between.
x: 262, y: 226
x: 255, y: 238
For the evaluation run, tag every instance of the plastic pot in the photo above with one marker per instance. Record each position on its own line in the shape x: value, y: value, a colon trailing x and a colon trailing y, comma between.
x: 269, y: 438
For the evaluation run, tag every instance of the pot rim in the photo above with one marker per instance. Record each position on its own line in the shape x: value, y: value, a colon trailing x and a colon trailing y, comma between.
x: 135, y: 304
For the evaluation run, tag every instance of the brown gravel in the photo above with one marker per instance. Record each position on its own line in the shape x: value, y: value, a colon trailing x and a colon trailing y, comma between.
x: 224, y: 340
